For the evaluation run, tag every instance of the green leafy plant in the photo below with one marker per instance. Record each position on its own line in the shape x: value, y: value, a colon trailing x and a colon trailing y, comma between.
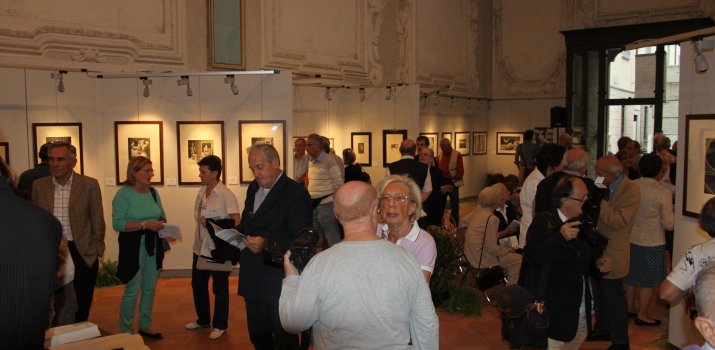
x: 452, y: 296
x: 489, y: 177
x: 107, y: 274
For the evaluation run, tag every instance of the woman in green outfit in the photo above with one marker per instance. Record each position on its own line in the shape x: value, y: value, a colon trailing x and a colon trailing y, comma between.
x: 138, y: 215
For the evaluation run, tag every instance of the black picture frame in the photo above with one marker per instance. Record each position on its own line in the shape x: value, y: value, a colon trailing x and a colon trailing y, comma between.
x: 390, y: 139
x: 362, y: 155
x: 189, y: 135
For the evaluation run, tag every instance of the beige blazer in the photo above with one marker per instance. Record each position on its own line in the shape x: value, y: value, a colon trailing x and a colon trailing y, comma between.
x: 616, y: 222
x: 86, y: 213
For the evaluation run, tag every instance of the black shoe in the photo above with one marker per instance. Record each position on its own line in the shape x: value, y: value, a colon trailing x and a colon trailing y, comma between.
x: 632, y: 314
x: 151, y: 335
x: 620, y: 347
x: 598, y: 337
x: 640, y: 322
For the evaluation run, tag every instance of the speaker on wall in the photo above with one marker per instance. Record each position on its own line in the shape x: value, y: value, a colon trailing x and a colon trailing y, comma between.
x: 558, y: 117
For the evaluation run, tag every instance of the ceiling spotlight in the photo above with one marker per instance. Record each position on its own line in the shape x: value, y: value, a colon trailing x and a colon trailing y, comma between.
x: 436, y: 100
x: 59, y: 75
x: 185, y: 81
x: 327, y: 94
x: 362, y: 94
x: 146, y: 83
x: 451, y: 102
x: 469, y: 103
x: 424, y: 101
x: 390, y: 93
x: 229, y: 79
x: 701, y: 64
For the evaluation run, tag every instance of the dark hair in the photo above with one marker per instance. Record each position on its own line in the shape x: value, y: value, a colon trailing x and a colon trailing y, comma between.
x: 563, y: 189
x: 423, y: 138
x: 43, y: 153
x: 512, y: 182
x: 497, y: 178
x: 326, y: 144
x: 650, y: 165
x: 549, y: 155
x: 348, y: 156
x: 528, y: 135
x: 214, y: 164
x: 707, y: 217
x: 8, y: 174
x: 623, y: 142
x: 622, y: 155
x: 638, y: 144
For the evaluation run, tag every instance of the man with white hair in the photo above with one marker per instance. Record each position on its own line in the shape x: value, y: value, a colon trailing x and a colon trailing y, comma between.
x: 575, y: 162
x: 364, y: 292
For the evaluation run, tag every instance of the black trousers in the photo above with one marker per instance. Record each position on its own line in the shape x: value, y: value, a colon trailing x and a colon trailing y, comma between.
x: 609, y: 302
x: 200, y: 287
x: 265, y: 329
x: 84, y: 279
x: 454, y: 200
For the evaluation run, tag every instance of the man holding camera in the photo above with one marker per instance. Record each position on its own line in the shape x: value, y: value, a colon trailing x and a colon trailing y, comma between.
x: 364, y: 292
x: 616, y: 221
x: 556, y: 243
x: 276, y: 208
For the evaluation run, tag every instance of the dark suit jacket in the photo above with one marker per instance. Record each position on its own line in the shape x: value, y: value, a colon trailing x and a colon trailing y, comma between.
x: 510, y: 215
x: 29, y: 176
x: 434, y: 205
x: 413, y: 168
x: 542, y: 201
x: 285, y: 211
x: 571, y: 265
x: 28, y: 269
x: 86, y: 213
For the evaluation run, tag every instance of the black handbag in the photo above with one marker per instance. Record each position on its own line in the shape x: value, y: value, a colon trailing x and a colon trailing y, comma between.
x: 488, y: 277
x: 525, y: 320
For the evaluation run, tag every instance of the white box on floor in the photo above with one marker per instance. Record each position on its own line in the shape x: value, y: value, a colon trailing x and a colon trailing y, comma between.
x: 70, y: 333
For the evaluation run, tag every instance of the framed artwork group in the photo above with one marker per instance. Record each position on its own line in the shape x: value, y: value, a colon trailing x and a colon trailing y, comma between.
x: 467, y: 143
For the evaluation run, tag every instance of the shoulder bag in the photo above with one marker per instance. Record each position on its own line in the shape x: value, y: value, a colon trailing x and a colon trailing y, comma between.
x: 164, y: 243
x: 491, y: 276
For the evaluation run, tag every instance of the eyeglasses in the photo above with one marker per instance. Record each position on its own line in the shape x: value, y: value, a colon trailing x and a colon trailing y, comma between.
x: 580, y: 200
x: 398, y: 198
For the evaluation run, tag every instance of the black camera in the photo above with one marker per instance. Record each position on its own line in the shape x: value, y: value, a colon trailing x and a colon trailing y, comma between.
x: 587, y: 226
x: 302, y: 249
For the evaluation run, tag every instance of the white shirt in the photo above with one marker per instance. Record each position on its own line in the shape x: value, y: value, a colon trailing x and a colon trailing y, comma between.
x: 526, y: 197
x: 220, y: 198
x: 62, y: 206
x: 654, y: 215
x: 685, y: 274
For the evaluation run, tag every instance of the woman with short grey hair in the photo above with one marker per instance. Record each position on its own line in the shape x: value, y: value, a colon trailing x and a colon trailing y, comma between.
x: 481, y: 240
x: 400, y: 207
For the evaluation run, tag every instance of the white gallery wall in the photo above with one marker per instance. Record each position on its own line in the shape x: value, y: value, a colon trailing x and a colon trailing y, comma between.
x: 97, y: 104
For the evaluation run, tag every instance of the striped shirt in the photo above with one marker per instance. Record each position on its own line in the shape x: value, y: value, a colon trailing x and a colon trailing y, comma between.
x: 62, y: 206
x: 324, y: 177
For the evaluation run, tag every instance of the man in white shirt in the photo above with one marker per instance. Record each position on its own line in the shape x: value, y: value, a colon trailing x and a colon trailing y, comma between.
x: 300, y: 161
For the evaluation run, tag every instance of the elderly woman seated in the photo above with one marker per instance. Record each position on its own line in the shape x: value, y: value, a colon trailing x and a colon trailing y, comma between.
x: 482, y: 236
x: 400, y: 206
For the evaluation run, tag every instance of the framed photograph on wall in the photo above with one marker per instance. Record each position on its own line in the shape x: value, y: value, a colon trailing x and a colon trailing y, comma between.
x: 227, y: 34
x: 271, y: 132
x: 5, y: 152
x: 196, y: 140
x: 462, y: 142
x: 433, y: 141
x: 699, y: 154
x: 391, y: 140
x: 448, y: 136
x: 361, y: 143
x: 51, y: 132
x: 134, y: 139
x: 479, y: 142
x: 578, y: 137
x: 508, y: 141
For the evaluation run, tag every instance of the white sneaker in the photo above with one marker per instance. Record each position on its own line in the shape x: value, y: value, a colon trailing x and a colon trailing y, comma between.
x: 216, y: 333
x: 194, y: 325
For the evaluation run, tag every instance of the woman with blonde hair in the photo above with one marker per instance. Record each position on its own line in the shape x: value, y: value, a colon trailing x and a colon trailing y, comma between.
x: 138, y: 215
x: 400, y: 207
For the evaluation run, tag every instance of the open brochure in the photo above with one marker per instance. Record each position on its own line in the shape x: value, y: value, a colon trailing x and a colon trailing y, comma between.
x: 509, y: 242
x: 172, y: 230
x: 230, y: 236
x: 514, y: 223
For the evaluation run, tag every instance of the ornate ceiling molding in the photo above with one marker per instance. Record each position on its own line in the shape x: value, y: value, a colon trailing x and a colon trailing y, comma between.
x: 466, y: 78
x: 334, y: 66
x: 33, y: 39
x: 582, y: 14
x: 552, y: 82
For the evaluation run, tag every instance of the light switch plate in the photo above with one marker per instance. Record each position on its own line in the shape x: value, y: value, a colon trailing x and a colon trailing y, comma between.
x: 109, y: 182
x: 233, y: 181
x: 171, y: 181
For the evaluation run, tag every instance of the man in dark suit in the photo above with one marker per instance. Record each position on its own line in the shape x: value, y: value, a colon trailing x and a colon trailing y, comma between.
x: 39, y: 171
x: 28, y: 268
x: 434, y: 205
x: 575, y: 162
x: 76, y: 201
x: 407, y: 165
x: 276, y: 208
x: 558, y: 247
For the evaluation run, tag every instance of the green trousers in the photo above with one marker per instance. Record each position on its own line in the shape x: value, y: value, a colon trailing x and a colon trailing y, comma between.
x: 144, y: 280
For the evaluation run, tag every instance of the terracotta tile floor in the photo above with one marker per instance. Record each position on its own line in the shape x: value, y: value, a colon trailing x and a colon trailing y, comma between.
x: 173, y: 309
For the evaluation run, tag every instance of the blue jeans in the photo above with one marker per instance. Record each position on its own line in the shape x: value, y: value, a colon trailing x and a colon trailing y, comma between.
x: 324, y: 220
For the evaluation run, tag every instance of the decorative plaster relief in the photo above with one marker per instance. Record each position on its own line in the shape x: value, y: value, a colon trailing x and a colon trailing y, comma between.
x: 519, y: 77
x: 322, y: 36
x: 106, y: 32
x: 608, y: 13
x: 405, y: 38
x: 447, y: 44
